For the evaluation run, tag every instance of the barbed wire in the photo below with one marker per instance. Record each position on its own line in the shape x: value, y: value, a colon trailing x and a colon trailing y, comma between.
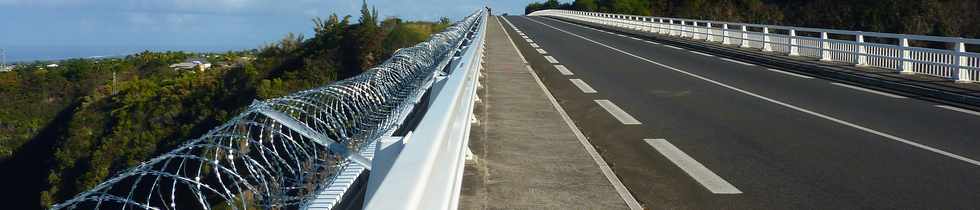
x: 279, y: 152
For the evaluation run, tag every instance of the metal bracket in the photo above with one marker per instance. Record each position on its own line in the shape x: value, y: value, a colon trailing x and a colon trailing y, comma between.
x: 308, y: 132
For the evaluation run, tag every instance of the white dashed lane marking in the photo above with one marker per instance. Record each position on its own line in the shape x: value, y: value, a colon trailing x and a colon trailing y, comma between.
x: 869, y: 90
x: 693, y: 168
x: 585, y: 88
x: 551, y: 59
x: 563, y: 70
x: 618, y: 113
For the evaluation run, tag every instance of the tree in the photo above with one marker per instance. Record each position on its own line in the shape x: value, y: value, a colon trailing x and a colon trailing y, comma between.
x: 585, y: 5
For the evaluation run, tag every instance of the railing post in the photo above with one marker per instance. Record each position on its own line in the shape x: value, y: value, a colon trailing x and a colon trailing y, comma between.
x: 708, y: 30
x: 644, y: 24
x: 905, y: 66
x: 630, y: 20
x: 614, y: 20
x: 619, y: 19
x: 962, y: 73
x: 794, y: 50
x: 766, y: 47
x: 862, y: 57
x: 651, y: 25
x: 824, y: 47
x: 660, y: 29
x: 695, y: 30
x: 683, y: 28
x: 724, y: 33
x: 745, y: 37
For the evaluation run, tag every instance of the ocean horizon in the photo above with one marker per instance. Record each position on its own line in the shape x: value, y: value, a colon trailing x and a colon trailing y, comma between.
x: 20, y: 54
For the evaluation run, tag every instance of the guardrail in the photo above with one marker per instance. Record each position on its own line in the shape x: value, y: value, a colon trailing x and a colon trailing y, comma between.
x: 957, y: 64
x: 428, y: 170
x: 278, y: 153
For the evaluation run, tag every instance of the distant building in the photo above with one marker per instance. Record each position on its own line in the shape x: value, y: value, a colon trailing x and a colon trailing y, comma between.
x: 199, y: 64
x: 8, y: 68
x: 53, y: 65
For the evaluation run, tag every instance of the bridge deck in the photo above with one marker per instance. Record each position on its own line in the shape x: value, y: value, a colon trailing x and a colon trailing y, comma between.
x: 527, y: 156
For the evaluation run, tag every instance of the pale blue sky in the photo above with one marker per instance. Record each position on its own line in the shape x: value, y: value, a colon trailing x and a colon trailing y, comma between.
x: 49, y: 29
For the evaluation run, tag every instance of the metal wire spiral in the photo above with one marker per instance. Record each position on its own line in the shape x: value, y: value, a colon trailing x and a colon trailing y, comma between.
x: 259, y: 159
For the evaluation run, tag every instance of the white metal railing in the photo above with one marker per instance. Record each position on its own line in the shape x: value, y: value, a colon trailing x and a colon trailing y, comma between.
x: 956, y: 64
x: 426, y: 169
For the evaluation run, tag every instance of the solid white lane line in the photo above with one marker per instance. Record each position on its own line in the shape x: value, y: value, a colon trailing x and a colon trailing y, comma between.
x: 563, y: 70
x: 529, y: 40
x: 511, y: 40
x: 603, y: 166
x: 550, y: 59
x: 672, y: 47
x: 535, y: 45
x: 869, y: 90
x: 585, y: 88
x: 738, y: 62
x: 652, y: 42
x: 542, y: 51
x: 790, y: 73
x: 700, y: 53
x: 693, y: 168
x: 959, y: 109
x: 842, y: 122
x: 617, y: 112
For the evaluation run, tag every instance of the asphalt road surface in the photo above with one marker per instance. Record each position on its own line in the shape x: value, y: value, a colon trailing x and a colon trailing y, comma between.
x: 689, y: 130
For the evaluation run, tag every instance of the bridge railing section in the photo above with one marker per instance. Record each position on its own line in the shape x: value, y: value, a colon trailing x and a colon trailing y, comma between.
x: 278, y: 152
x: 427, y: 172
x: 948, y: 58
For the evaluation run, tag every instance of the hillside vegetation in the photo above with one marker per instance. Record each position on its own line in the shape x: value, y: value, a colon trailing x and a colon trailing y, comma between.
x: 65, y: 129
x: 926, y: 17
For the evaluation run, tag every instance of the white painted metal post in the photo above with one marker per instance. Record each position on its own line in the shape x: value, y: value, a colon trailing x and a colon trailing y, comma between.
x: 745, y: 37
x: 824, y: 47
x: 766, y: 47
x: 639, y: 23
x: 648, y: 25
x: 683, y: 28
x: 709, y: 36
x: 652, y: 25
x: 794, y: 49
x: 905, y: 66
x: 622, y: 23
x: 660, y: 28
x: 613, y: 21
x: 671, y: 25
x: 962, y: 74
x: 630, y: 20
x: 862, y: 57
x: 697, y: 30
x: 608, y: 20
x: 724, y: 34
